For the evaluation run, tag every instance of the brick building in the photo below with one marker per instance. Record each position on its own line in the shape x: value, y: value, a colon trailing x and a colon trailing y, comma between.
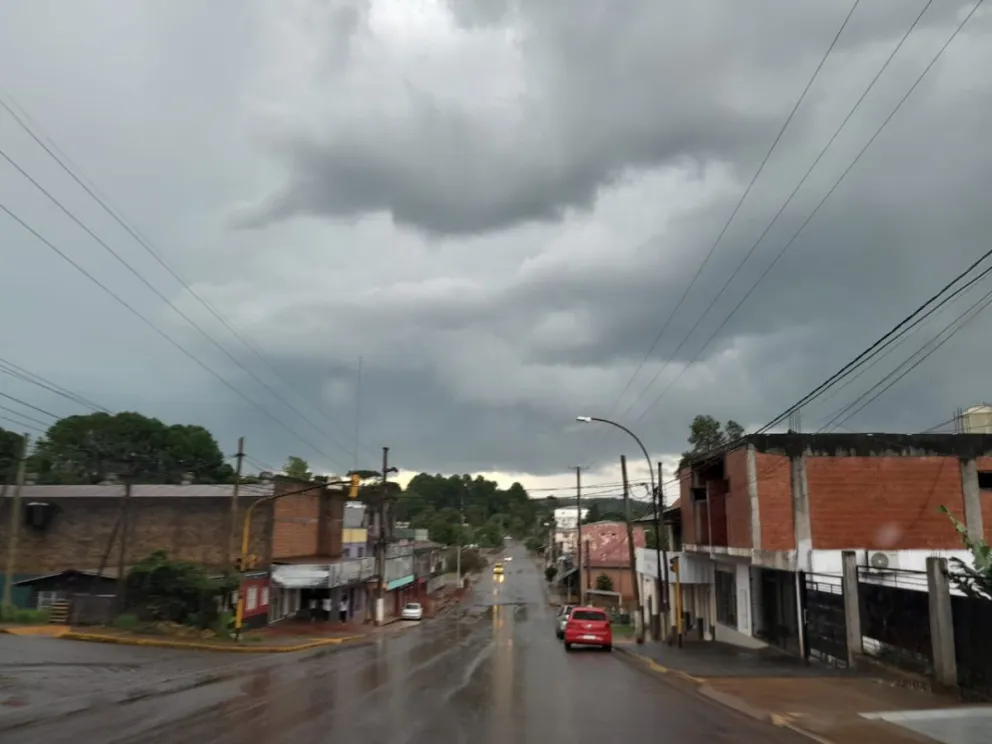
x: 605, y: 552
x: 779, y: 504
x: 80, y: 528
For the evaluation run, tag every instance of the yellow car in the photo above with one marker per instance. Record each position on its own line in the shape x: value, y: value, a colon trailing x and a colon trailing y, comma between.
x: 498, y: 569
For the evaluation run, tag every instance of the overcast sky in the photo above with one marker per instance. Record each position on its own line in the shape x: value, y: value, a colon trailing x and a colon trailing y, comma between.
x: 496, y: 204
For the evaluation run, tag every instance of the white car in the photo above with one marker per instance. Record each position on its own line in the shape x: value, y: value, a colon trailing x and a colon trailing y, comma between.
x: 412, y: 611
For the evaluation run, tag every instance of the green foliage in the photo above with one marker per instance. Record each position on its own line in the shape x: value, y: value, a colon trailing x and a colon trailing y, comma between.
x: 297, y: 467
x: 534, y: 544
x: 25, y: 617
x: 86, y: 449
x: 550, y: 572
x: 472, y: 561
x: 127, y: 621
x: 707, y: 434
x: 160, y: 589
x: 974, y: 580
x: 434, y: 502
x: 604, y: 583
x: 10, y: 452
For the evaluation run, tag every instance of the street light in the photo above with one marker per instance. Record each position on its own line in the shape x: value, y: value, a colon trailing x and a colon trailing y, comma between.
x: 661, y: 555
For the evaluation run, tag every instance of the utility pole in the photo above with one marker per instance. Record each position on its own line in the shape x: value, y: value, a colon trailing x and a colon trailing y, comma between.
x: 122, y: 552
x: 14, y: 527
x: 232, y: 538
x: 461, y: 531
x: 578, y: 531
x: 635, y: 581
x: 661, y: 555
x: 380, y: 600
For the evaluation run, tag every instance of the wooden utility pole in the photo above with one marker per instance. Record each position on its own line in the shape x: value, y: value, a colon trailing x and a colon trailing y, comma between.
x: 13, y: 529
x: 125, y: 522
x: 232, y: 537
x: 578, y: 531
x: 632, y: 554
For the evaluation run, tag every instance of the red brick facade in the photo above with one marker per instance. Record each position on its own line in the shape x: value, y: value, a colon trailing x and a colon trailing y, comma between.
x: 887, y: 499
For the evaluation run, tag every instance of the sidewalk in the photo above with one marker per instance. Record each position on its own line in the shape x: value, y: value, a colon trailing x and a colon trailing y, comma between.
x: 820, y: 702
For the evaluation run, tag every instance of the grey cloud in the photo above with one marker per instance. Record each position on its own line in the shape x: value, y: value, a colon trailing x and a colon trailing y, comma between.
x: 482, y: 362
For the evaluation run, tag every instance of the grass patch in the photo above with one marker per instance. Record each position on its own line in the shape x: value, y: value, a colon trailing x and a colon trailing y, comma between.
x: 624, y: 631
x: 126, y: 621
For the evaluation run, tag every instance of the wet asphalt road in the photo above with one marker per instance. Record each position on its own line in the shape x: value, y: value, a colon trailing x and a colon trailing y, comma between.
x: 492, y: 672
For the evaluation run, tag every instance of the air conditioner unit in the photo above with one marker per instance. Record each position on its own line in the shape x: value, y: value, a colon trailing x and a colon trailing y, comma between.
x: 880, y: 560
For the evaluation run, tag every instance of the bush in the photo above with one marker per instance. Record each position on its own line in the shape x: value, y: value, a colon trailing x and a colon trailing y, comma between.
x: 127, y: 621
x: 25, y: 617
x: 604, y: 583
x: 472, y: 560
x: 176, y: 591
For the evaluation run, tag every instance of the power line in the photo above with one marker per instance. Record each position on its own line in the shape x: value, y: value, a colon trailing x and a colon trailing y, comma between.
x: 159, y: 331
x: 21, y: 373
x: 812, y: 214
x: 951, y: 330
x: 738, y: 206
x: 220, y: 347
x: 802, y: 181
x: 142, y: 241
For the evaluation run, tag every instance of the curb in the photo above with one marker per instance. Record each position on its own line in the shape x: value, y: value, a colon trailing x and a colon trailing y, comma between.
x: 728, y: 701
x: 180, y: 645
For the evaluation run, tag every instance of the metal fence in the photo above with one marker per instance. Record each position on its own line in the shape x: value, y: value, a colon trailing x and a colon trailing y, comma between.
x: 824, y: 618
x: 895, y: 618
x: 972, y: 649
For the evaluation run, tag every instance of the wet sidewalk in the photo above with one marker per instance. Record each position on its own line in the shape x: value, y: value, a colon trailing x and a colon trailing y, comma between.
x: 821, y: 702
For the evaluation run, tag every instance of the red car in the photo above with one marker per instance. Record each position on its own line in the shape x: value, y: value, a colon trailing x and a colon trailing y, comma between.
x: 588, y: 626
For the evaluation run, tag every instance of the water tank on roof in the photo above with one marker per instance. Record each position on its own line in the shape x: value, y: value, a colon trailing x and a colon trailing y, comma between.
x: 977, y: 420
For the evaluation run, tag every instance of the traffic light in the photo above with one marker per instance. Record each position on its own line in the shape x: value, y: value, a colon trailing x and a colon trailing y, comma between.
x: 673, y: 564
x: 353, y: 490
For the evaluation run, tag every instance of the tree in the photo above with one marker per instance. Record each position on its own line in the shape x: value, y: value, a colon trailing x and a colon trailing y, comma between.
x: 707, y: 434
x: 10, y: 453
x: 87, y: 449
x: 974, y: 580
x: 176, y: 591
x: 604, y: 583
x: 297, y: 467
x: 436, y: 502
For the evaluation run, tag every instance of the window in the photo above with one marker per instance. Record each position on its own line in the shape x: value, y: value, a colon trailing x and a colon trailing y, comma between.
x: 985, y: 480
x: 591, y: 615
x: 251, y: 598
x: 47, y: 599
x: 265, y: 596
x: 361, y: 551
x: 725, y: 586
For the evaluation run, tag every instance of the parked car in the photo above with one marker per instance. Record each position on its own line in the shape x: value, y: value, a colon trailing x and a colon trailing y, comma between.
x: 561, y: 619
x: 412, y: 611
x: 588, y: 626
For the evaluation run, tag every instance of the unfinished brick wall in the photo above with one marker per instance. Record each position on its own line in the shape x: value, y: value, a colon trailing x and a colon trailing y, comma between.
x: 79, y: 536
x: 884, y: 503
x: 775, y: 502
x: 738, y: 506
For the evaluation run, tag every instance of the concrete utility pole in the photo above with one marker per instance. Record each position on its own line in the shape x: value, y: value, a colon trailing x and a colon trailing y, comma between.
x: 578, y: 532
x: 380, y: 553
x: 661, y: 555
x: 232, y: 538
x: 13, y: 529
x: 632, y: 553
